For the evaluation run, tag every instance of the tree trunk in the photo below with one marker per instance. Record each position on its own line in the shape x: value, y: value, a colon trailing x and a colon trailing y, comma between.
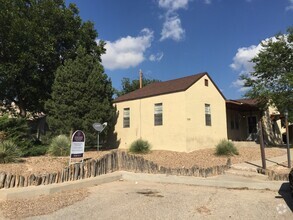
x: 22, y: 110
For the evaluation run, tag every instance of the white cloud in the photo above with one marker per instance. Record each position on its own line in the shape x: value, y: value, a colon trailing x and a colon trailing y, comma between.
x: 156, y: 57
x: 127, y: 51
x: 239, y: 83
x: 172, y: 29
x: 242, y: 62
x: 173, y: 5
x: 208, y: 2
x: 290, y: 7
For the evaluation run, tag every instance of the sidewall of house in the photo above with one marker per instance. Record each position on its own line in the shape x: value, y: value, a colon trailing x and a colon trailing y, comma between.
x: 168, y: 136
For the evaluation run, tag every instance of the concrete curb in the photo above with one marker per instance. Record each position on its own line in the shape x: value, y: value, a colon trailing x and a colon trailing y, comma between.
x: 33, y: 191
x: 222, y: 181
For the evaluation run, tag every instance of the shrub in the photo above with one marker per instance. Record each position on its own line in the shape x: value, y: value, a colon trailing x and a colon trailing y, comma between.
x: 35, y: 150
x: 8, y: 152
x: 140, y: 146
x: 16, y: 130
x: 226, y: 147
x: 60, y: 146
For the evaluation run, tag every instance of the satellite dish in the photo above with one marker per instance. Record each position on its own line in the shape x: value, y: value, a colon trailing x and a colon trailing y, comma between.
x: 99, y: 127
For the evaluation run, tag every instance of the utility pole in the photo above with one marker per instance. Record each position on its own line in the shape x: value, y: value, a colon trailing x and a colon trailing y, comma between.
x: 140, y: 79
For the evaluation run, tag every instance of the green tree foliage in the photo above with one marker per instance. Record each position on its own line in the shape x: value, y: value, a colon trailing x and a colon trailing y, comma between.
x: 36, y: 37
x: 129, y: 86
x: 17, y: 131
x: 81, y: 95
x: 272, y: 80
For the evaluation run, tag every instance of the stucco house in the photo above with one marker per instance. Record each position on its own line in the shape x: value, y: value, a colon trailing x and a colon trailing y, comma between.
x: 184, y: 114
x: 191, y: 113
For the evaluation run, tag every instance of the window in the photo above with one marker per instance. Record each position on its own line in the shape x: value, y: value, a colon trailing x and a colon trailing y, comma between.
x: 236, y: 122
x: 158, y: 116
x: 206, y: 82
x: 126, y: 117
x: 232, y: 123
x: 208, y: 115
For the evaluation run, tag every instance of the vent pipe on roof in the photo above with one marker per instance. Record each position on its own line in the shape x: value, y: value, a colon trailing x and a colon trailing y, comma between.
x: 140, y: 79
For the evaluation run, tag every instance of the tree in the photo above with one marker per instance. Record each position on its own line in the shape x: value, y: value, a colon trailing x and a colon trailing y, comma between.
x: 36, y: 37
x: 129, y: 86
x: 272, y: 80
x: 81, y: 95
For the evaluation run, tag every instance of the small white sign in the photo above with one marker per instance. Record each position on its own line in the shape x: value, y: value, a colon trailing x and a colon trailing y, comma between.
x: 77, y: 144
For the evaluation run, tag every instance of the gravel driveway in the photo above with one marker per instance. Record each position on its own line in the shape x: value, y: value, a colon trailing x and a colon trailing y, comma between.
x: 142, y: 200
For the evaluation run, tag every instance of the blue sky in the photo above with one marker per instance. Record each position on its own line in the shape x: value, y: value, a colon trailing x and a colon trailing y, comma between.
x: 170, y: 39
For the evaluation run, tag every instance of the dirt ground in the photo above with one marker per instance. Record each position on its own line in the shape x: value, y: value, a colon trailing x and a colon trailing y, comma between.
x: 145, y: 200
x: 200, y: 158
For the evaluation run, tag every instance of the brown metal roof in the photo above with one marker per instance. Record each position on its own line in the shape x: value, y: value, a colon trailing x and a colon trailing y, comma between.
x: 243, y: 104
x: 160, y: 88
x: 248, y: 101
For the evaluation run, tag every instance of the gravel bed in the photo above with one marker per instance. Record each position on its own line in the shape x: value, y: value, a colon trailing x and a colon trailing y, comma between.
x: 201, y: 158
x: 207, y: 158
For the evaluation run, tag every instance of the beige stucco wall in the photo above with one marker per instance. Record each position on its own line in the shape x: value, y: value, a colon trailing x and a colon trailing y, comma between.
x: 183, y: 126
x: 198, y: 135
x: 272, y: 136
x: 169, y: 136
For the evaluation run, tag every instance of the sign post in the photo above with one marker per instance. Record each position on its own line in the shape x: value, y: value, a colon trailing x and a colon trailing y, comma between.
x: 77, y: 145
x: 99, y: 128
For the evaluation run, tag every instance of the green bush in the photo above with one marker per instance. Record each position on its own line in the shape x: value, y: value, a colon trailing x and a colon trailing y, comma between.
x: 8, y: 152
x: 17, y: 131
x: 60, y: 146
x: 226, y: 147
x: 140, y: 146
x: 35, y: 150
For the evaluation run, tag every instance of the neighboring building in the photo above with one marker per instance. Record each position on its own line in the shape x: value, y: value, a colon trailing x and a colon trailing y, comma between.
x: 243, y: 116
x: 184, y: 114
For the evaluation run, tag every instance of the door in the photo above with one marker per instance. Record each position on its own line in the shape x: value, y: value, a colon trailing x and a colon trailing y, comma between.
x: 252, y: 128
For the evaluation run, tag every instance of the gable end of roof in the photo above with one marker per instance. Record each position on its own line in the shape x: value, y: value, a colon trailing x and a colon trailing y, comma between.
x: 167, y: 87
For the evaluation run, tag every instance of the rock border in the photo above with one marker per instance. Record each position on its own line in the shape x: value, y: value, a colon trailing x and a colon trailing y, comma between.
x: 111, y: 162
x: 272, y: 175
